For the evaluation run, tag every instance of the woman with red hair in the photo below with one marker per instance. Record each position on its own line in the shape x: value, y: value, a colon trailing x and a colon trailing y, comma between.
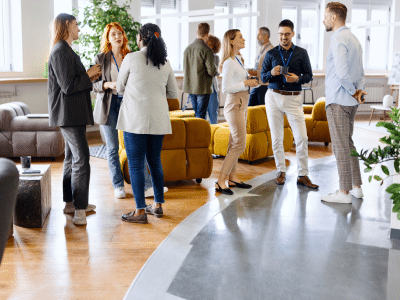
x: 113, y: 48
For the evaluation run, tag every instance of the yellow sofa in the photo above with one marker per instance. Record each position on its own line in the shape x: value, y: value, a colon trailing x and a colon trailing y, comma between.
x: 176, y: 112
x: 185, y: 153
x: 258, y: 137
x: 316, y: 122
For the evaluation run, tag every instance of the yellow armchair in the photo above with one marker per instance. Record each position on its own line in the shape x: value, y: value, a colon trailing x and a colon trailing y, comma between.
x: 316, y: 122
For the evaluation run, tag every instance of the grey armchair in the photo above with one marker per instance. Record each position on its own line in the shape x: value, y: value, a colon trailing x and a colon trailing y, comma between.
x: 23, y: 136
x: 9, y: 180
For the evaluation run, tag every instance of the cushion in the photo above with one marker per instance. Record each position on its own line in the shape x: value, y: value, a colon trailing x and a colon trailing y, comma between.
x: 176, y: 140
x: 319, y: 112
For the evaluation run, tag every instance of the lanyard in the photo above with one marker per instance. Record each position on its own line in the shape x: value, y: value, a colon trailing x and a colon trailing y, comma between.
x: 290, y: 56
x: 115, y: 61
x: 119, y: 96
x: 243, y: 68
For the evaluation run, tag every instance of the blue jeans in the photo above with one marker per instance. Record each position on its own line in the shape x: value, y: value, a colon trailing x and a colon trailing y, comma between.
x: 257, y: 95
x: 138, y: 147
x: 213, y: 107
x: 200, y: 104
x: 111, y: 135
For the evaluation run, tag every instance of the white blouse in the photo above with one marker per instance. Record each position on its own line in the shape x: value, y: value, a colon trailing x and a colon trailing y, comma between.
x: 233, y: 75
x: 114, y: 76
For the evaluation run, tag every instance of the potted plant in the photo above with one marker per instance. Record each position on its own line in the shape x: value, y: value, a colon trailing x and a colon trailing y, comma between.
x: 96, y: 16
x: 379, y: 155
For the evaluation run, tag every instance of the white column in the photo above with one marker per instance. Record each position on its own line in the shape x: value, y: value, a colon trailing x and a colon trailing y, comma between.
x: 270, y: 17
x: 394, y: 38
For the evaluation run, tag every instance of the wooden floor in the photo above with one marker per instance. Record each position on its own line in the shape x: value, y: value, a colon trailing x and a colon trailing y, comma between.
x: 100, y: 260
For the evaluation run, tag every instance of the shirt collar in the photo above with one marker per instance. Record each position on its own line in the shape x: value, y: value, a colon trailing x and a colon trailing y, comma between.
x: 292, y: 47
x: 339, y: 30
x: 144, y: 49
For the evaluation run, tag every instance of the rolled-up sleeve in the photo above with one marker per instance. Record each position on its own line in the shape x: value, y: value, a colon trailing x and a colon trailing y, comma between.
x: 339, y: 52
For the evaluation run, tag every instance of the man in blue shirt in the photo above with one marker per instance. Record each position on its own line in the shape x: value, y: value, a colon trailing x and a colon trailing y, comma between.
x: 286, y: 67
x: 344, y: 85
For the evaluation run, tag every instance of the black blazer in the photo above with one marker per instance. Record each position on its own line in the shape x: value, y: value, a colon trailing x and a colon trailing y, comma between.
x: 68, y: 88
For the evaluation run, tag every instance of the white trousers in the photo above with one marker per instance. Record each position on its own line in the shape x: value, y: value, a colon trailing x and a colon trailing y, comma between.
x: 277, y: 106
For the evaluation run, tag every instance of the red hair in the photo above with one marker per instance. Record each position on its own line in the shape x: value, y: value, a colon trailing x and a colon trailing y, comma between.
x: 105, y: 45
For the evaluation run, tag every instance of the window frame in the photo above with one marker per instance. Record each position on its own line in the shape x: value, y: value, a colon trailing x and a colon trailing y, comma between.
x: 366, y: 54
x: 6, y: 19
x: 299, y: 6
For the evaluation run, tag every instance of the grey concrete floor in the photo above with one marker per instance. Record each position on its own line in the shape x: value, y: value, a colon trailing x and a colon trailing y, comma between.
x: 279, y: 242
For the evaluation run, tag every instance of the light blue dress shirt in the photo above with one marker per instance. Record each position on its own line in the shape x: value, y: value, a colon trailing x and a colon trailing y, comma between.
x: 344, y: 68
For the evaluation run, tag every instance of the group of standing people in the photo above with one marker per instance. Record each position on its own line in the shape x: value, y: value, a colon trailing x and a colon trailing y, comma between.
x: 124, y: 102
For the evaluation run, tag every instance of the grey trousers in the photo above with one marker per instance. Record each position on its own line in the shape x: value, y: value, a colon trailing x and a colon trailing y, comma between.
x: 76, y: 175
x: 235, y: 112
x: 341, y: 125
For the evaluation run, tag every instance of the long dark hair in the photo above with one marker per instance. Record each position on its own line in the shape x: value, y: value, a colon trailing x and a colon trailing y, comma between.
x: 156, y: 48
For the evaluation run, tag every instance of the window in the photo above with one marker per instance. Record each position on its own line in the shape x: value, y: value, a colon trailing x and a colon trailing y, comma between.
x: 306, y: 20
x: 244, y: 24
x: 62, y: 6
x: 372, y: 39
x: 5, y: 53
x: 170, y: 27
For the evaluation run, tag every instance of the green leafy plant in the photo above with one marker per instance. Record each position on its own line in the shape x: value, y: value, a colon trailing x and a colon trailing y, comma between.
x: 97, y: 15
x: 379, y: 155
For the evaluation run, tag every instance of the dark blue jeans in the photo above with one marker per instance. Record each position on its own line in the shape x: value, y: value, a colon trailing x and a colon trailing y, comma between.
x: 257, y: 95
x: 138, y: 148
x: 200, y: 104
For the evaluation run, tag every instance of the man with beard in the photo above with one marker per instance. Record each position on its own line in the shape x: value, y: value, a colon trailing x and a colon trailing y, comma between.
x: 257, y: 95
x: 344, y: 85
x: 286, y: 67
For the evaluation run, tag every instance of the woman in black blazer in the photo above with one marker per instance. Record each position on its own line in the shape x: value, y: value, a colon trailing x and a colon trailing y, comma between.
x: 69, y: 87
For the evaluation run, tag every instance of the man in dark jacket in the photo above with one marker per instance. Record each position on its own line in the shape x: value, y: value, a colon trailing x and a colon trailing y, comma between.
x: 199, y: 70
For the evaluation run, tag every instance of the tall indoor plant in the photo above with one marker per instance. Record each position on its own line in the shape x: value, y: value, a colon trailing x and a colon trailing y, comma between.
x: 96, y: 16
x: 379, y: 155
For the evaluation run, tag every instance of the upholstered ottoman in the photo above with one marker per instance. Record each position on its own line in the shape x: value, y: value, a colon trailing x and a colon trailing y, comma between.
x: 258, y: 137
x: 185, y: 153
x: 316, y: 122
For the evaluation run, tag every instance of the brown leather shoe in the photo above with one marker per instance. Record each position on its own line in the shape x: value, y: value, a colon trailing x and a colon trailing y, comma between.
x: 304, y: 180
x: 280, y: 178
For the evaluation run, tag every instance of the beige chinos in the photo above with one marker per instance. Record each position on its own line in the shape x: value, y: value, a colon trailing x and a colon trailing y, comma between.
x: 235, y: 112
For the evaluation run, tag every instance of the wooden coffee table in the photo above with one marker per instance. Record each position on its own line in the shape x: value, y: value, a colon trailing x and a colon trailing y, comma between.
x: 34, y: 198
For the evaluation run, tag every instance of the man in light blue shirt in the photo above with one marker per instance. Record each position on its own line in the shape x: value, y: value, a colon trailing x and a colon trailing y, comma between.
x: 344, y: 88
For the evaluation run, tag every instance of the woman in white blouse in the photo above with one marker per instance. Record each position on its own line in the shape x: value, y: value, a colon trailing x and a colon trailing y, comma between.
x: 236, y: 85
x: 146, y: 80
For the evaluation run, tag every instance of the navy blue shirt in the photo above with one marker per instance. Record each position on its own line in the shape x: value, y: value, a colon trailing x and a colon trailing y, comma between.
x: 299, y: 64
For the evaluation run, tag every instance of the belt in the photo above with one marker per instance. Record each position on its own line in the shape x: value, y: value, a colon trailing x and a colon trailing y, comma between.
x: 286, y: 93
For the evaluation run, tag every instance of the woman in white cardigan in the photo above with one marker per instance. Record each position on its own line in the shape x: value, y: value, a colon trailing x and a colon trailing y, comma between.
x: 146, y: 80
x: 236, y: 85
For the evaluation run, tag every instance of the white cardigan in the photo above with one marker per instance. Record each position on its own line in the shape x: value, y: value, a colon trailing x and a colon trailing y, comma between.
x: 144, y: 108
x: 233, y: 75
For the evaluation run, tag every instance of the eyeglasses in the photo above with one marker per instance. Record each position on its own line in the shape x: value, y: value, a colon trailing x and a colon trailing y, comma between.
x: 287, y: 34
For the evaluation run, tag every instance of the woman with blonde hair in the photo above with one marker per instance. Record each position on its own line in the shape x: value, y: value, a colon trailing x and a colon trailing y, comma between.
x: 113, y: 47
x: 236, y: 85
x: 70, y: 107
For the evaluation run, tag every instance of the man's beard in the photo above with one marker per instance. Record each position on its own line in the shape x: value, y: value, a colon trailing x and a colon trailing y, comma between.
x: 260, y: 43
x: 328, y: 28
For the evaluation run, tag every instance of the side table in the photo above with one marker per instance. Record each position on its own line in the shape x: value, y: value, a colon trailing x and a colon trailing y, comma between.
x: 379, y: 107
x: 34, y: 198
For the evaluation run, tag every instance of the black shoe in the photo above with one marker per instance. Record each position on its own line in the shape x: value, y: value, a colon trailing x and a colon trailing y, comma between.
x: 240, y: 185
x: 157, y: 212
x: 223, y: 191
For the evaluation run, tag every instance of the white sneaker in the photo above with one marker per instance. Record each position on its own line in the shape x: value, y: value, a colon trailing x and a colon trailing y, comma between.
x: 70, y: 208
x: 150, y: 192
x: 337, y: 197
x: 119, y: 193
x: 357, y: 192
x: 79, y: 217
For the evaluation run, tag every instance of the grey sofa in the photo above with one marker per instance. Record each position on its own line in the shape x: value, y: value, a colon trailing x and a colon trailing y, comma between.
x: 23, y: 136
x: 9, y: 179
